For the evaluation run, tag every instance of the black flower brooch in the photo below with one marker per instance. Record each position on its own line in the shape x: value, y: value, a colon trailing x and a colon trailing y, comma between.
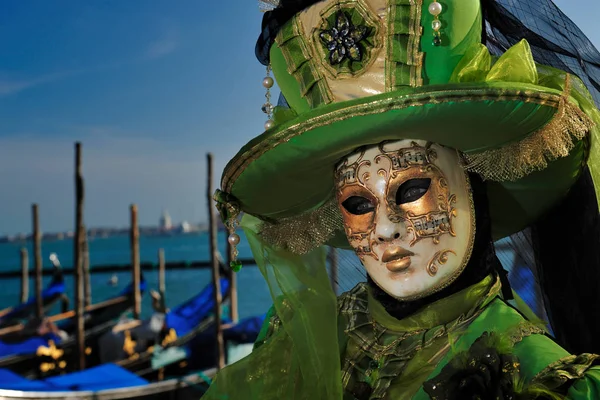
x: 343, y: 39
x: 482, y: 373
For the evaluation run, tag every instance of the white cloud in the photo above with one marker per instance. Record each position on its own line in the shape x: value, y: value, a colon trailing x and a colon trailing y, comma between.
x: 164, y: 45
x: 11, y: 85
x: 14, y: 86
x: 161, y: 48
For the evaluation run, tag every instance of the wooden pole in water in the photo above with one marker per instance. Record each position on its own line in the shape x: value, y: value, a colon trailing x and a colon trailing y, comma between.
x: 78, y: 260
x: 24, y: 275
x: 220, y: 361
x: 135, y: 261
x: 233, y: 296
x: 87, y: 280
x: 37, y: 256
x: 161, y: 279
x: 333, y: 259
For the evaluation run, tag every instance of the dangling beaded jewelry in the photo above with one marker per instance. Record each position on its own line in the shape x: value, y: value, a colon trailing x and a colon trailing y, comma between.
x: 233, y: 239
x: 267, y: 108
x: 435, y: 9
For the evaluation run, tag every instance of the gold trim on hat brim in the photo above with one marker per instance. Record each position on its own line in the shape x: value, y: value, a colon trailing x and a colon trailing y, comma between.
x: 378, y: 105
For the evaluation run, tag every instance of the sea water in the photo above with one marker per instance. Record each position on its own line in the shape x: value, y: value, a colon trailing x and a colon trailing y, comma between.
x: 253, y: 294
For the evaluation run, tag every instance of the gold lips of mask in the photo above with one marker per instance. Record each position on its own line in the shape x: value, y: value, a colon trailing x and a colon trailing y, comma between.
x: 408, y: 213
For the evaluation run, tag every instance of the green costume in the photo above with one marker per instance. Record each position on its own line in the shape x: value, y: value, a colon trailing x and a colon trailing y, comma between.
x: 397, y: 357
x: 357, y: 73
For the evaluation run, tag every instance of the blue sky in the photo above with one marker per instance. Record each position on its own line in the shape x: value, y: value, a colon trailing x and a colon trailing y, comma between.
x: 147, y: 86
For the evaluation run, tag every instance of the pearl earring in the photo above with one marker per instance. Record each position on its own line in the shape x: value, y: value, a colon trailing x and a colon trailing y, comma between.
x: 267, y: 108
x: 435, y: 9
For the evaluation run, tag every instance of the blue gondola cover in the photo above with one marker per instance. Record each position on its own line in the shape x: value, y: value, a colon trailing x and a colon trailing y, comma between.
x: 11, y: 381
x: 246, y: 331
x: 28, y: 346
x: 51, y: 292
x: 103, y: 377
x: 128, y: 290
x: 187, y: 316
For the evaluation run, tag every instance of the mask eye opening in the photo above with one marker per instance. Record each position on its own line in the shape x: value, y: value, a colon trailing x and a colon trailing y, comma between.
x: 358, y: 205
x: 412, y: 190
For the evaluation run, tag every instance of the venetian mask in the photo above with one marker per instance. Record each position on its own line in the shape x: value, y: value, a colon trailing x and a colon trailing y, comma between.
x: 408, y: 213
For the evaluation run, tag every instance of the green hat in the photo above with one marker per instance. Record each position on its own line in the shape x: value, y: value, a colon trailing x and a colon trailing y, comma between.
x: 359, y: 72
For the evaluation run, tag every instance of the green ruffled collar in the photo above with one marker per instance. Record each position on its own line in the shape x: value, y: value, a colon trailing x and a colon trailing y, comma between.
x: 461, y: 304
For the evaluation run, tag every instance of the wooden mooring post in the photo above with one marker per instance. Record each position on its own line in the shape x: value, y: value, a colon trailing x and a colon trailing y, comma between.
x: 37, y: 257
x: 161, y: 279
x: 134, y: 237
x: 78, y: 243
x: 24, y: 275
x: 220, y: 360
x: 87, y: 280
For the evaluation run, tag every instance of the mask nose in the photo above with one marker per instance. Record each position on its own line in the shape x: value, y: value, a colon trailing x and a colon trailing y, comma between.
x: 386, y: 230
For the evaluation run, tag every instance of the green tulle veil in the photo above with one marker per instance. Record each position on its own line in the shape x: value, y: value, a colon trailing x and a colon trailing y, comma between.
x: 302, y: 359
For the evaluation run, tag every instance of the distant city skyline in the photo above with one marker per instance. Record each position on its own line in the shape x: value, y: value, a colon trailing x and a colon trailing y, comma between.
x: 163, y: 225
x: 148, y: 90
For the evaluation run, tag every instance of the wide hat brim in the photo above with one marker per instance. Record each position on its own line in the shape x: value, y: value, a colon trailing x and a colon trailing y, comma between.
x: 289, y: 170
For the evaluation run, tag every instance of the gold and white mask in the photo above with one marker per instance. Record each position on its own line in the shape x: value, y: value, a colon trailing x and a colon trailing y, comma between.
x: 408, y: 213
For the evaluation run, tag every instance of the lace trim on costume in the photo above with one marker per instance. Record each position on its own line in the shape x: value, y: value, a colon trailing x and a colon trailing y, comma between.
x: 522, y: 330
x: 533, y: 153
x: 564, y: 370
x: 305, y: 232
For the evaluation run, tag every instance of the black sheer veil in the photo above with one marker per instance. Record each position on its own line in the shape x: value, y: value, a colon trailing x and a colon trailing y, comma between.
x: 554, y: 39
x: 565, y: 244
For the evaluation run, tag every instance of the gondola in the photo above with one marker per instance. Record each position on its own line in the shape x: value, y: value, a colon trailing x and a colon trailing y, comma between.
x: 195, y: 351
x: 55, y: 352
x: 12, y: 316
x: 95, y: 314
x: 105, y: 382
x: 178, y: 367
x: 136, y: 349
x: 112, y: 381
x: 180, y: 341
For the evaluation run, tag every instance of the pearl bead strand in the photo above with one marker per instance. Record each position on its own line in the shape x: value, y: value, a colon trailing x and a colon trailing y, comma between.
x: 435, y: 9
x: 267, y: 108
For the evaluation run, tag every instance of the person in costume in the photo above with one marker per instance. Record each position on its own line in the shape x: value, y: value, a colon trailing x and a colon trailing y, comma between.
x: 401, y: 137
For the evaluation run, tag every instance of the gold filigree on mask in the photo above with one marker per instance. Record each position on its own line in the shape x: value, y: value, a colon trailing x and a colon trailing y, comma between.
x: 431, y: 215
x: 359, y: 228
x: 360, y: 242
x: 360, y: 225
x: 435, y: 223
x: 350, y: 182
x: 439, y: 258
x: 366, y: 251
x: 346, y: 173
x: 407, y: 157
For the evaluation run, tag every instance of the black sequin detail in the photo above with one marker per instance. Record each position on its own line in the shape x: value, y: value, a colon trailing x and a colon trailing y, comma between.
x: 342, y: 40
